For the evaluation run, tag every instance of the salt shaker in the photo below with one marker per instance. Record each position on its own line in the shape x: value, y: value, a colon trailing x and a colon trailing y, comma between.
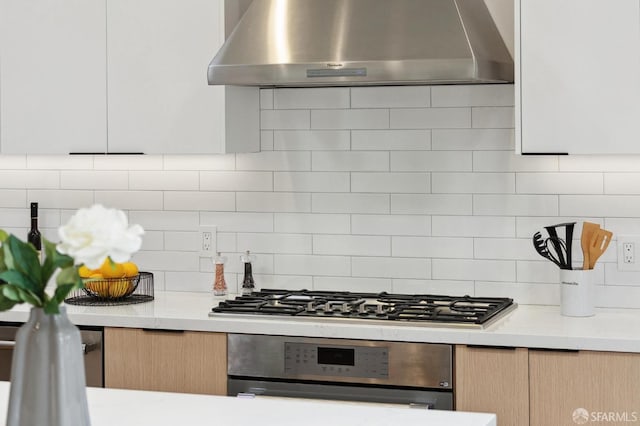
x: 219, y: 285
x: 247, y: 283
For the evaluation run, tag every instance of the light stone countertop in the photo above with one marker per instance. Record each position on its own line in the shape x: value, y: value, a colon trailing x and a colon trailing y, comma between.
x: 527, y: 326
x: 142, y: 408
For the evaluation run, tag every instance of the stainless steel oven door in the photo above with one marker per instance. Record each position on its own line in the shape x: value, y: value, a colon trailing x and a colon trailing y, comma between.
x: 440, y: 400
x: 91, y: 347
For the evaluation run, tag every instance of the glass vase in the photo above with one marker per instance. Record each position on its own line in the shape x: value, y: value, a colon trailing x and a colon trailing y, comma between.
x: 48, y: 385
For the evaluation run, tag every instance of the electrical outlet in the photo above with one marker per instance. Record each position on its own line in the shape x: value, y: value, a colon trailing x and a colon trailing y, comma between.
x: 207, y: 239
x: 627, y: 260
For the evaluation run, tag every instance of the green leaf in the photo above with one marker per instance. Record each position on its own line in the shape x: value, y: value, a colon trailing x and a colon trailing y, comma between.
x: 52, y: 307
x: 6, y: 303
x: 11, y: 293
x: 29, y: 297
x: 3, y: 235
x: 18, y: 279
x: 25, y: 260
x: 53, y: 260
x: 66, y: 281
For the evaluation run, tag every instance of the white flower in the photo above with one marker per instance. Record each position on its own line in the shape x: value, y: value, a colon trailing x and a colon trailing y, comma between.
x: 94, y: 233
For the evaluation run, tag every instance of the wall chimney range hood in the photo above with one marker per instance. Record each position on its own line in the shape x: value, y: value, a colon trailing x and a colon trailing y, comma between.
x: 362, y: 42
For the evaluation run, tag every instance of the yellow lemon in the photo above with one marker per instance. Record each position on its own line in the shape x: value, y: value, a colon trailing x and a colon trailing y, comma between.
x: 111, y: 269
x: 130, y: 269
x: 84, y: 272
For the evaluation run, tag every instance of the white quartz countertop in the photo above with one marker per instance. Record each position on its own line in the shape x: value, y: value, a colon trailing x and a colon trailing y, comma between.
x: 527, y: 326
x: 110, y: 407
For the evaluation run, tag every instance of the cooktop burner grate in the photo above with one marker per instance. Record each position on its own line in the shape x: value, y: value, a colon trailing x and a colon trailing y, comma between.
x: 377, y: 306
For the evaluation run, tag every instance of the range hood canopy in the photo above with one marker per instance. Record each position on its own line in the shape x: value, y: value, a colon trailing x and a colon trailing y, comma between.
x: 362, y: 42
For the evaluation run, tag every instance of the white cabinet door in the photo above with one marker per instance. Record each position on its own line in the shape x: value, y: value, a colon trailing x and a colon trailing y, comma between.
x: 578, y: 76
x: 52, y: 76
x: 157, y: 56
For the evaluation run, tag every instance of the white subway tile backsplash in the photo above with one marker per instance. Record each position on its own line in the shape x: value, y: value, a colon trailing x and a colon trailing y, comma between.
x: 352, y: 245
x: 391, y: 97
x: 236, y: 181
x: 430, y: 161
x: 311, y: 98
x: 621, y: 183
x: 275, y: 243
x: 274, y: 160
x: 430, y: 118
x: 350, y: 119
x: 360, y: 161
x: 471, y: 269
x: 559, y: 183
x: 130, y: 200
x: 391, y: 182
x: 199, y: 162
x: 237, y: 222
x: 473, y: 139
x: 310, y: 140
x: 312, y: 223
x: 431, y: 204
x: 391, y: 140
x: 164, y: 180
x: 516, y: 205
x: 285, y: 119
x: 432, y: 247
x: 508, y: 161
x: 472, y: 95
x: 199, y: 200
x: 273, y: 202
x: 312, y: 265
x: 493, y: 117
x: 96, y: 180
x: 311, y: 181
x: 350, y: 203
x: 116, y: 162
x: 391, y: 267
x: 60, y: 162
x: 30, y: 179
x: 375, y: 285
x: 473, y: 183
x: 473, y: 226
x: 368, y: 224
x: 413, y: 189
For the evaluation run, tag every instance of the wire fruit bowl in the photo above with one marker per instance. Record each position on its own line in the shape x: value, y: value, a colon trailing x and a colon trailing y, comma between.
x: 111, y: 288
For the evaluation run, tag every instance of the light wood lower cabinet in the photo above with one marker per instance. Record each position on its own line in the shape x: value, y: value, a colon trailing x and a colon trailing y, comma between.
x: 189, y: 361
x: 605, y: 385
x: 493, y: 380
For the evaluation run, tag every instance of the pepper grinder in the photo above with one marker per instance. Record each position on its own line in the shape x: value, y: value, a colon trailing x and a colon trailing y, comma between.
x: 247, y: 283
x: 219, y: 285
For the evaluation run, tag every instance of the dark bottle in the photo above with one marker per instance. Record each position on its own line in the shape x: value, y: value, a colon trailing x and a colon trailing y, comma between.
x: 247, y: 283
x: 34, y: 237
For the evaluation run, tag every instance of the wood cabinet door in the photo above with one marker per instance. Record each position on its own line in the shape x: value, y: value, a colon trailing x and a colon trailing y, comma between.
x: 578, y: 76
x: 493, y: 380
x: 52, y: 76
x: 157, y: 57
x: 569, y: 388
x: 171, y: 361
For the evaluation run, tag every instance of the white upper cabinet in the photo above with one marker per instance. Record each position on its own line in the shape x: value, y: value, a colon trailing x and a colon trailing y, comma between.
x: 578, y: 76
x: 118, y: 76
x: 52, y: 76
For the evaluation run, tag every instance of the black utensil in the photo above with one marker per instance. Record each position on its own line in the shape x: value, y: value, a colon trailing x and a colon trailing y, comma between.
x: 553, y: 235
x: 566, y: 260
x: 541, y: 247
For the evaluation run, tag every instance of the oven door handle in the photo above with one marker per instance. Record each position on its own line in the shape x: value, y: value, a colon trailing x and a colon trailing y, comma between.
x: 7, y: 344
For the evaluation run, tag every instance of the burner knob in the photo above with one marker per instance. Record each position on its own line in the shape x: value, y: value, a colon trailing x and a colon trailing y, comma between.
x: 362, y: 309
x: 380, y: 309
x: 310, y: 307
x: 345, y: 308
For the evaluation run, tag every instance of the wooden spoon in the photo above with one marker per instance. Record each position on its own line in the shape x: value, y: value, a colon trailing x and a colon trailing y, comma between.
x: 588, y: 230
x: 598, y: 244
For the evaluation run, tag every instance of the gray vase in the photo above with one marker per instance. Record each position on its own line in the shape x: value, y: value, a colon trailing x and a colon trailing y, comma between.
x: 48, y: 384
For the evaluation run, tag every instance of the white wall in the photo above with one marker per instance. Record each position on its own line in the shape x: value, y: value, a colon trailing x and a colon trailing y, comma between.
x: 403, y: 189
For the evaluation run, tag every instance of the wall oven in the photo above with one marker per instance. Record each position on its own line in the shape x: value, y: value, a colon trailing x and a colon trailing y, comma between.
x: 417, y: 374
x: 91, y: 347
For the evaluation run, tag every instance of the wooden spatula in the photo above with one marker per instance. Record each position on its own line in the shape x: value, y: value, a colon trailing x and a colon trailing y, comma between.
x: 599, y: 242
x: 588, y: 230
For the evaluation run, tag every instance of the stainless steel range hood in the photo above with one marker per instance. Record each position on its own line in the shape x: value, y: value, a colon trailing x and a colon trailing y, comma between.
x: 362, y: 42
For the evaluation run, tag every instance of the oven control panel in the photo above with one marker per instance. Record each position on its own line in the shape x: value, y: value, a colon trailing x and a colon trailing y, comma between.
x: 336, y: 360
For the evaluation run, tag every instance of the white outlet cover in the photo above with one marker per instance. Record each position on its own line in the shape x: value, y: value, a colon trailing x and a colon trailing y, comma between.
x: 635, y: 240
x: 214, y: 241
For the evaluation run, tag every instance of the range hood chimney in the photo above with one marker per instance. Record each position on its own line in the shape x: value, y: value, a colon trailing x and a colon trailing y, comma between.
x: 362, y: 42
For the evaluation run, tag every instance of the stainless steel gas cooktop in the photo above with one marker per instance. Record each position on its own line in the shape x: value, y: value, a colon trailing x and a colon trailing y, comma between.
x: 426, y: 309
